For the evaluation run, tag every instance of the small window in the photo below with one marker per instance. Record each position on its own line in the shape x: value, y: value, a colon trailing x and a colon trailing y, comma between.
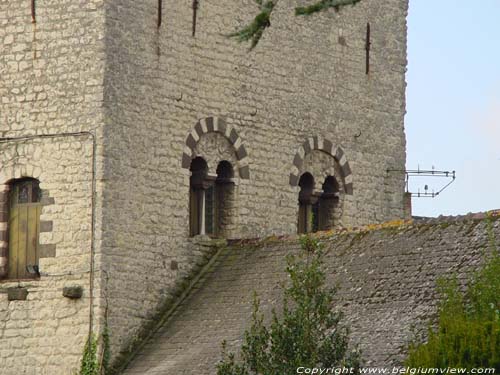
x: 316, y: 209
x: 24, y: 228
x: 210, y: 198
x: 307, y: 200
x: 224, y: 202
x: 198, y: 184
x: 327, y: 203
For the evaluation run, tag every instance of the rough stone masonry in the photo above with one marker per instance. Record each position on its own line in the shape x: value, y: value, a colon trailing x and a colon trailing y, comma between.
x: 106, y: 111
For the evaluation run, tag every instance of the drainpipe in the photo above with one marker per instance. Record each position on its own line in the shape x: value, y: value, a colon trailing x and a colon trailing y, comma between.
x: 93, y: 225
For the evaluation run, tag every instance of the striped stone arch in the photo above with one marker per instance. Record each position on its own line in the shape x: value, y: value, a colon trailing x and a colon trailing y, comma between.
x: 318, y: 143
x: 216, y: 125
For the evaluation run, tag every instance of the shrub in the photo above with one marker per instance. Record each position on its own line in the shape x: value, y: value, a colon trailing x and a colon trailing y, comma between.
x: 307, y: 332
x: 468, y: 330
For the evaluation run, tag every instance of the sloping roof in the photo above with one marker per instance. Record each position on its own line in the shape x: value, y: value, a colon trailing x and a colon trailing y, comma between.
x: 387, y: 289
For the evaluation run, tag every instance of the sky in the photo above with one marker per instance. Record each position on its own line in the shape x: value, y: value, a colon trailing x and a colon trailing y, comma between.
x: 453, y: 103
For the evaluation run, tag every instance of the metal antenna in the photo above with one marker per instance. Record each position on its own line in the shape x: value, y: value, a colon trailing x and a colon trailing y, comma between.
x: 412, y: 173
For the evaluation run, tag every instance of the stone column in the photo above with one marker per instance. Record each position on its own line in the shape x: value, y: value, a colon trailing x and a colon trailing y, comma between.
x: 202, y: 212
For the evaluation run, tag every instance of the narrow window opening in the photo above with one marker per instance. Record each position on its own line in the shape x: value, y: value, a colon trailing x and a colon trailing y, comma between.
x: 24, y: 228
x: 327, y: 203
x: 224, y: 187
x: 210, y: 199
x: 198, y: 185
x: 307, y: 200
x: 317, y: 209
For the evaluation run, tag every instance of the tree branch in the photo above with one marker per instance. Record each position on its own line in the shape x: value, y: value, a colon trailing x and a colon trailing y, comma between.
x: 323, y: 5
x: 255, y: 30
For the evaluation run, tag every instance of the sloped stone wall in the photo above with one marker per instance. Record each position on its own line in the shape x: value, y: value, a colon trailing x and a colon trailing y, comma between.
x: 387, y: 290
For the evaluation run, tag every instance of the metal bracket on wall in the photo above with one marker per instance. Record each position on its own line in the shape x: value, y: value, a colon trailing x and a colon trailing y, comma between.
x: 412, y: 173
x: 195, y: 15
x: 33, y: 12
x: 160, y: 6
x: 368, y: 47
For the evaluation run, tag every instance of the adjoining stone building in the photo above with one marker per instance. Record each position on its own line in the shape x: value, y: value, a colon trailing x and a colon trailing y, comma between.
x: 122, y: 140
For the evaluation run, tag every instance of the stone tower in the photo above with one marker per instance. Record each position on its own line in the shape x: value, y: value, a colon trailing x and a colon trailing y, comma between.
x: 123, y: 140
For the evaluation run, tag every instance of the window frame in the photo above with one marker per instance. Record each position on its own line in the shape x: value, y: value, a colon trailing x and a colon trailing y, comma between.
x: 33, y: 206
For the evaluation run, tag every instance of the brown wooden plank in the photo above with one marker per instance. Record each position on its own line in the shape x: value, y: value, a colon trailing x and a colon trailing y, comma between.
x: 31, y: 235
x: 13, y: 241
x: 23, y: 237
x: 38, y: 214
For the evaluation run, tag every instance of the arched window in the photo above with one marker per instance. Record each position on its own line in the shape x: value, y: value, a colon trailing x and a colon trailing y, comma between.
x: 224, y: 198
x: 316, y: 209
x: 210, y: 198
x: 197, y: 197
x: 307, y: 200
x: 24, y: 228
x: 326, y: 204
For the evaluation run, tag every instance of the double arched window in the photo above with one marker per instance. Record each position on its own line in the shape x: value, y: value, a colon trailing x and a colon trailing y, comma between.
x: 210, y: 198
x: 317, y: 208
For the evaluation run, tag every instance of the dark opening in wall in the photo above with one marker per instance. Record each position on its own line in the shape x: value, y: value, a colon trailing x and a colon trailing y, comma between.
x: 198, y: 184
x: 317, y: 209
x: 210, y: 198
x: 327, y: 203
x: 224, y: 187
x: 306, y: 202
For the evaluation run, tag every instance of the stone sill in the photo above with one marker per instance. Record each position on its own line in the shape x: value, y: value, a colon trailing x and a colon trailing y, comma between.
x: 25, y: 283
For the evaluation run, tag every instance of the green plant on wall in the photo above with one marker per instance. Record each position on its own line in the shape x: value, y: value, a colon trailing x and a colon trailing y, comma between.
x: 254, y: 31
x: 106, y: 351
x: 90, y: 364
x: 307, y: 332
x: 468, y: 329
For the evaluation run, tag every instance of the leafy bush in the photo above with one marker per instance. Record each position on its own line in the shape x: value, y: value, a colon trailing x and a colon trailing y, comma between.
x: 307, y: 332
x: 468, y: 331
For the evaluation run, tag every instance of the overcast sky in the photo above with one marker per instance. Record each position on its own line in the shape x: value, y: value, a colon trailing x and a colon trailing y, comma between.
x: 453, y: 102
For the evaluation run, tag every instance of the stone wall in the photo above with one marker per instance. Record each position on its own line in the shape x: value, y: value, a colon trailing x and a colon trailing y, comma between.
x: 149, y: 95
x: 387, y: 290
x: 51, y: 84
x: 303, y: 88
x: 46, y: 333
x: 52, y: 70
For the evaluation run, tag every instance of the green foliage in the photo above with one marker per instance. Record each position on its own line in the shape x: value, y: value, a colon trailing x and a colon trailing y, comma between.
x: 106, y: 355
x: 468, y: 332
x: 255, y: 30
x: 323, y: 5
x: 89, y: 364
x: 306, y: 333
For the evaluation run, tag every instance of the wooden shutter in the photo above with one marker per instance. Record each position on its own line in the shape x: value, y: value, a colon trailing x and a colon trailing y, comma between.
x: 24, y: 228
